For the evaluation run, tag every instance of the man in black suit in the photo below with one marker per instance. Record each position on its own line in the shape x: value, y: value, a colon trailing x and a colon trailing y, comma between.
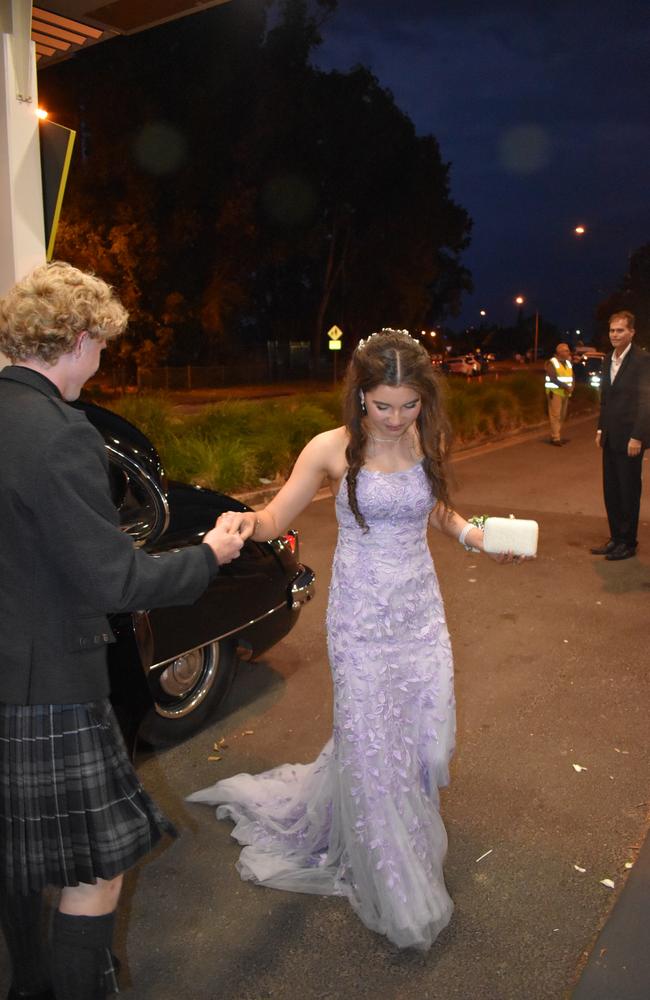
x: 623, y: 434
x: 72, y: 811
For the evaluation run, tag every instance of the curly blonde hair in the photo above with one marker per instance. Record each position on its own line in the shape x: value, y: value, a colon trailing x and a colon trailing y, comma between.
x: 42, y: 316
x: 393, y: 358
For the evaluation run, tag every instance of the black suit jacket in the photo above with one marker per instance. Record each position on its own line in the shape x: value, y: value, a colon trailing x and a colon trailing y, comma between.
x: 625, y: 404
x: 64, y: 563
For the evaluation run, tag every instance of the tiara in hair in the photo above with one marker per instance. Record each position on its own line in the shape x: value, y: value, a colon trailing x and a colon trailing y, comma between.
x: 384, y: 329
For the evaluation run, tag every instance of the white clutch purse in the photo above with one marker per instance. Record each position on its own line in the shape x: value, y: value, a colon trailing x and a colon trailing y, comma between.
x: 510, y: 534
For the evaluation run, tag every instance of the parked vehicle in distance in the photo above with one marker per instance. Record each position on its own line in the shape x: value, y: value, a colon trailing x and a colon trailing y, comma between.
x: 588, y: 369
x: 465, y: 364
x: 171, y: 667
x: 583, y: 350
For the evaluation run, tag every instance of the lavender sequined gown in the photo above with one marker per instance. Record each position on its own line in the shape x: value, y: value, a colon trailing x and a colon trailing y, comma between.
x: 362, y: 820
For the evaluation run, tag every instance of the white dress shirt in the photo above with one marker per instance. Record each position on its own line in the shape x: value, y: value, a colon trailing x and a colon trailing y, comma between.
x: 616, y: 363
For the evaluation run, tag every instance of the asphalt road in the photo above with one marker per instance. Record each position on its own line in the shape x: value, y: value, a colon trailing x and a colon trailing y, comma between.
x: 551, y: 671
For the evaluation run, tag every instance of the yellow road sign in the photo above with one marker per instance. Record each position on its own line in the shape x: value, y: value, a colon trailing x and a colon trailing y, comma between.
x: 335, y: 345
x: 335, y: 333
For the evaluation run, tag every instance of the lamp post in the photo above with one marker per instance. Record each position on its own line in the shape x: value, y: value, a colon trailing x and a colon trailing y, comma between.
x: 519, y: 301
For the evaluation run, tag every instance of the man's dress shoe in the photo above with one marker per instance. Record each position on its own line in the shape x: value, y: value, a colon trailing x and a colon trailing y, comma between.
x: 621, y: 552
x: 604, y: 550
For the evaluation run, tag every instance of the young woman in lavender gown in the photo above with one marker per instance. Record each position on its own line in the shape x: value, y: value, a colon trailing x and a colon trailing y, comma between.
x: 363, y: 820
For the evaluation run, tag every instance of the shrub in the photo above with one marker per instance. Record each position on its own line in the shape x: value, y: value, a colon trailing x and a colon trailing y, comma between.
x: 232, y: 445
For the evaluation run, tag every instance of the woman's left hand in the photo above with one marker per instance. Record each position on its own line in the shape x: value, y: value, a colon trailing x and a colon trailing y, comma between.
x: 508, y: 557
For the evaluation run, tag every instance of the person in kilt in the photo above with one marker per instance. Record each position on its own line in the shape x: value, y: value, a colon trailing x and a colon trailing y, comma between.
x: 73, y: 813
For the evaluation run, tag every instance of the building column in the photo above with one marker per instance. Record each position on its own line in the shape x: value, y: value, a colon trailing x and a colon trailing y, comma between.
x: 22, y: 246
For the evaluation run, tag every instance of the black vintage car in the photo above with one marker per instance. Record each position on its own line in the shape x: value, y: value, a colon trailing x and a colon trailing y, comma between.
x: 170, y: 667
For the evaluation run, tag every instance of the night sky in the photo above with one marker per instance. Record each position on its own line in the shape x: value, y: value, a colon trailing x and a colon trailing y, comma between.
x: 542, y: 110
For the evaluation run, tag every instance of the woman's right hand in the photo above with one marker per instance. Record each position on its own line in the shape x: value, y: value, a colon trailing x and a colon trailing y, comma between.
x: 238, y: 522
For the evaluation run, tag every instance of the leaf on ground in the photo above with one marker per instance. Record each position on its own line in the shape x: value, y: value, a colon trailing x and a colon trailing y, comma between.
x: 579, y: 869
x: 578, y: 768
x: 214, y: 757
x: 607, y: 882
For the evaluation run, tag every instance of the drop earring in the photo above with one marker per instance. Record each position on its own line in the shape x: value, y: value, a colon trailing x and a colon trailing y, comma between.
x: 362, y: 400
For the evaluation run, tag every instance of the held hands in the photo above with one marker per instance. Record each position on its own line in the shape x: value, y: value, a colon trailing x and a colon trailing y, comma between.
x: 241, y: 524
x: 225, y: 544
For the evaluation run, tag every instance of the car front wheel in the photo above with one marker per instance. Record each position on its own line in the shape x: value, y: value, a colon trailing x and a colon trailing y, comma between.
x: 186, y: 690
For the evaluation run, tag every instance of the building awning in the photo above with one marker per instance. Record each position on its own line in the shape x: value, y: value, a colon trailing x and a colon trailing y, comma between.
x: 63, y: 27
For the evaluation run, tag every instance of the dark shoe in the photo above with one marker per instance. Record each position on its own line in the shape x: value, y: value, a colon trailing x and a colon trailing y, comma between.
x: 621, y: 552
x: 558, y: 444
x: 603, y: 550
x: 43, y: 995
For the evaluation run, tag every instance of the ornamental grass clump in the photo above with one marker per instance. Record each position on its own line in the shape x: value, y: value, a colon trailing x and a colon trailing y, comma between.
x: 228, y: 446
x: 227, y: 466
x: 153, y: 415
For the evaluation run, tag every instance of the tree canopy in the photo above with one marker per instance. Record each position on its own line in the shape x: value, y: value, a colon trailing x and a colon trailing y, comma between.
x: 633, y: 294
x: 236, y: 195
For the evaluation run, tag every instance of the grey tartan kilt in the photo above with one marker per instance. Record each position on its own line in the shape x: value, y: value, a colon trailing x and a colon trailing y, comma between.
x: 71, y: 806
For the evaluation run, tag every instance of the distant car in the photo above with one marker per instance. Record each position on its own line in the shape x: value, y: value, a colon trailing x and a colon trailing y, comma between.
x: 465, y: 364
x: 583, y: 351
x: 589, y: 369
x: 171, y: 667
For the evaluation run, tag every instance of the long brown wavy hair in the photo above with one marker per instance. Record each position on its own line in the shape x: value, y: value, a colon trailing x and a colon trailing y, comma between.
x: 393, y: 358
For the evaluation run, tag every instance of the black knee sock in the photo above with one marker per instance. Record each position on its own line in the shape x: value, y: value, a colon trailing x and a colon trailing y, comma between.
x: 20, y: 917
x: 82, y: 962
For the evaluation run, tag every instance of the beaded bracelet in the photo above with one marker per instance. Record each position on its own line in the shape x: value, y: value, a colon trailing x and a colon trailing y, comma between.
x: 477, y: 521
x: 463, y: 535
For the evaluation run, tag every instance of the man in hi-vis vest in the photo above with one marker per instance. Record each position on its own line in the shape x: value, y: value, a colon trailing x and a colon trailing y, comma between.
x: 559, y: 386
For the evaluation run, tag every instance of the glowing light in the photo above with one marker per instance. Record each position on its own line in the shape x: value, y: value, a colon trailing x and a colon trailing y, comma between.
x: 580, y: 230
x: 520, y: 300
x: 482, y: 312
x: 41, y: 113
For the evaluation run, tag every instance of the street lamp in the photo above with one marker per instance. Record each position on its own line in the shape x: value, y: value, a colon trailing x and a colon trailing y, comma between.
x: 580, y: 230
x: 519, y: 300
x: 482, y: 312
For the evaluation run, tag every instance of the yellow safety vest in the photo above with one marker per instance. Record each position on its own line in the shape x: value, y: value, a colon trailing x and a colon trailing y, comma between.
x: 563, y: 374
